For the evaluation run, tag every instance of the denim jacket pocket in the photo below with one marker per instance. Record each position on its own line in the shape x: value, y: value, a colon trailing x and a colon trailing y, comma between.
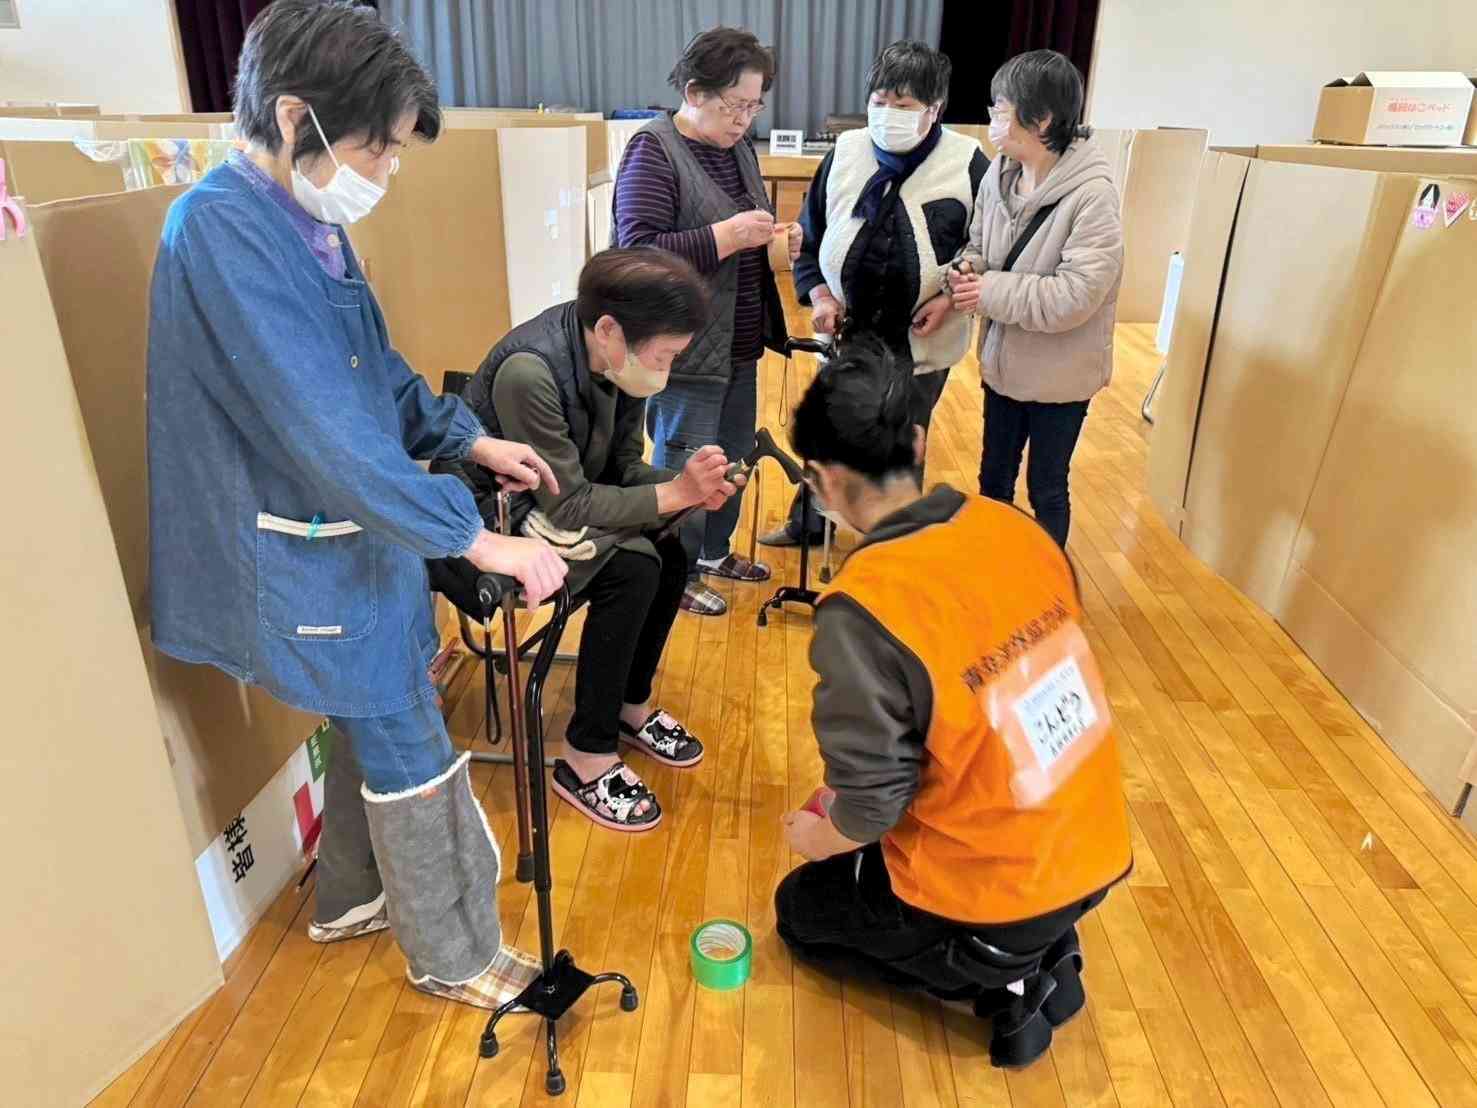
x: 316, y: 583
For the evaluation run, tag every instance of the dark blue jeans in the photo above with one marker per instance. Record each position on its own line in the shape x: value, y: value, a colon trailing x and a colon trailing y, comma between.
x: 400, y: 751
x: 1052, y: 430
x: 693, y: 413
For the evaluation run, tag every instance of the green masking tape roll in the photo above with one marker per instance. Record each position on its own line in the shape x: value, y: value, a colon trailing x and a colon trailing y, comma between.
x: 722, y: 951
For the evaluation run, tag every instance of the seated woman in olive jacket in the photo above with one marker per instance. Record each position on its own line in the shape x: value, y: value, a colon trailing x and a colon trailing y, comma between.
x: 573, y: 383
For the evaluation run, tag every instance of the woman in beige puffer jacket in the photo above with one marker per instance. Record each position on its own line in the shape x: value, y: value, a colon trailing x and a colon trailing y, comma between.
x: 1046, y: 335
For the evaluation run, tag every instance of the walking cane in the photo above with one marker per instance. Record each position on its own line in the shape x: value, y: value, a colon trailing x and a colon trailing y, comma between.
x: 509, y: 602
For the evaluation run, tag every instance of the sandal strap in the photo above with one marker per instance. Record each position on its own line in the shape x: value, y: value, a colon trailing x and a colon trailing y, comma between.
x: 617, y: 792
x: 668, y: 740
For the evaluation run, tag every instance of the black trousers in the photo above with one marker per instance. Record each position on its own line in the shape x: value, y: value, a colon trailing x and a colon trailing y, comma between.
x: 633, y: 600
x: 842, y: 913
x: 926, y: 390
x: 1052, y: 430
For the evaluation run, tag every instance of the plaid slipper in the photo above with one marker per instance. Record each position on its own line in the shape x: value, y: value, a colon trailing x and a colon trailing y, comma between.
x: 511, y: 972
x: 700, y: 600
x: 364, y: 920
x: 735, y: 568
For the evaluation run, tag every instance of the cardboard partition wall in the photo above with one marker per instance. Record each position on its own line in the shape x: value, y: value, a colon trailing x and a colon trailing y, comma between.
x: 48, y: 109
x: 1395, y: 109
x: 142, y: 128
x: 597, y: 154
x: 1470, y: 137
x: 46, y: 171
x: 980, y: 132
x: 599, y: 209
x: 108, y: 945
x: 48, y: 130
x: 1158, y: 195
x: 442, y: 256
x: 1117, y: 145
x: 1177, y: 407
x: 177, y: 117
x: 545, y: 228
x: 1384, y: 159
x: 1310, y: 248
x: 1381, y: 592
x: 618, y: 133
x: 225, y: 741
x: 65, y: 130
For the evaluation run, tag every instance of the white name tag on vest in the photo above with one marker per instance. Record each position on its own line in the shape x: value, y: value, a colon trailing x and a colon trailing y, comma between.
x: 786, y: 142
x: 1055, y: 712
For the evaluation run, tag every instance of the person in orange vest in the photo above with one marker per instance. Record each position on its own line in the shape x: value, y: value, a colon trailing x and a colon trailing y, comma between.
x: 974, y: 808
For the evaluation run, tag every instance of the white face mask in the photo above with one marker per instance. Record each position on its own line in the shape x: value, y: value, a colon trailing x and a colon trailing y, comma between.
x: 348, y: 197
x: 893, y: 129
x: 999, y: 132
x: 636, y: 379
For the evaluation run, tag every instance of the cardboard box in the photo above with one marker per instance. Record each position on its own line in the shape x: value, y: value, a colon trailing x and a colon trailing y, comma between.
x: 1395, y: 109
x: 1177, y: 406
x: 1470, y: 138
x: 1381, y: 593
x: 1158, y: 195
x: 110, y: 942
x: 1310, y: 248
x: 225, y: 741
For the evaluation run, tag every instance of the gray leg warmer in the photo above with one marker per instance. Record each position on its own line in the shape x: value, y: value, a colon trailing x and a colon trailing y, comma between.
x: 440, y: 867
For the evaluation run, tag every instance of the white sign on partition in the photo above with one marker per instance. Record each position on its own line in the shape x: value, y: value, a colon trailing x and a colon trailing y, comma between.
x: 786, y: 142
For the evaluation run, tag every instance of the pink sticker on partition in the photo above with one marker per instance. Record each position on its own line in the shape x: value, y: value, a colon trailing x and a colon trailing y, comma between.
x: 1426, y: 207
x: 1456, y: 204
x: 10, y: 208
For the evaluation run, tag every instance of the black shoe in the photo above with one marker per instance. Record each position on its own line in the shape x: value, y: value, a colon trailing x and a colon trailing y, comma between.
x: 1064, y: 962
x: 783, y: 536
x: 1022, y: 1033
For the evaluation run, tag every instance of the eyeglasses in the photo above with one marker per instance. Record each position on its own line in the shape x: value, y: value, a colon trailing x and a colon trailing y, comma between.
x: 743, y: 109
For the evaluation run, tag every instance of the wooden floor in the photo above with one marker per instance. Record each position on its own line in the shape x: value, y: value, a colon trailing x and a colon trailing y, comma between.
x: 1300, y: 928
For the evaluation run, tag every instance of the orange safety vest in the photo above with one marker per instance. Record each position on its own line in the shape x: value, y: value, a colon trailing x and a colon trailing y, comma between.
x: 1020, y: 808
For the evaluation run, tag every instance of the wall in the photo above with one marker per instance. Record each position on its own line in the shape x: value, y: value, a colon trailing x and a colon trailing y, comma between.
x: 1250, y: 71
x: 121, y: 54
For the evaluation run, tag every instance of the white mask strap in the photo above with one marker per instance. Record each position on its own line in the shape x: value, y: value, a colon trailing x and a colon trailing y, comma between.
x: 319, y: 128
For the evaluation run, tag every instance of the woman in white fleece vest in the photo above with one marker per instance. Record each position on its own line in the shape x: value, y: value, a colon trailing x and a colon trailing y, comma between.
x: 1046, y: 341
x: 889, y: 208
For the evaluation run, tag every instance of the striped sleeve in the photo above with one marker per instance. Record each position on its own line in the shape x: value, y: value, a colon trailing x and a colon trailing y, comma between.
x: 646, y: 206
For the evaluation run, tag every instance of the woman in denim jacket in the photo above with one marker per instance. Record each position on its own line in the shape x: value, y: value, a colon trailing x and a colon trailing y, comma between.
x: 290, y: 522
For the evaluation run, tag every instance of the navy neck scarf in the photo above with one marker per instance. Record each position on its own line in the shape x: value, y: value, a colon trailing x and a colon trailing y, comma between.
x: 892, y: 169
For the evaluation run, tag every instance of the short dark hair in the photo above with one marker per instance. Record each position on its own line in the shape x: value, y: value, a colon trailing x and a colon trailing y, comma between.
x: 357, y: 74
x: 912, y: 68
x: 716, y: 59
x: 648, y: 291
x: 858, y: 413
x: 1040, y: 84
